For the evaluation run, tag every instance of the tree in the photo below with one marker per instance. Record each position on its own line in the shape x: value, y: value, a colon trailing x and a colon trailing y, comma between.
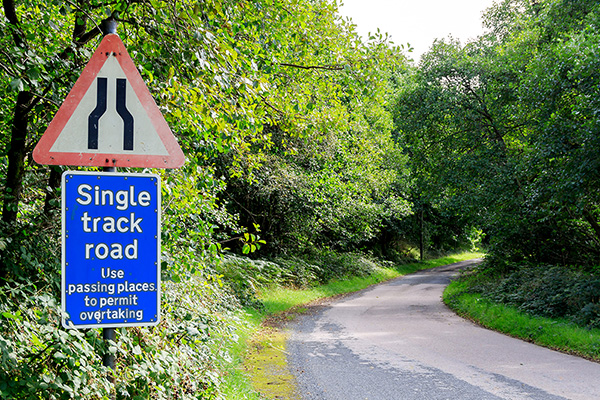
x: 247, y: 88
x: 500, y: 128
x: 331, y: 175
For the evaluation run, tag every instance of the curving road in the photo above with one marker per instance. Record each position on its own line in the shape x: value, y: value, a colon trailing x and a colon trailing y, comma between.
x: 399, y: 341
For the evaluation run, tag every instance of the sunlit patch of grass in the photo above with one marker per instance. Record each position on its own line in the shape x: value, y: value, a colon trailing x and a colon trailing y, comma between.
x: 279, y: 299
x: 236, y: 383
x: 266, y: 365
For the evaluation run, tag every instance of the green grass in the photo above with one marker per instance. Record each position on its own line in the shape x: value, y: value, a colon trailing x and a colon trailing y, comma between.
x: 236, y: 384
x: 280, y: 299
x: 555, y: 334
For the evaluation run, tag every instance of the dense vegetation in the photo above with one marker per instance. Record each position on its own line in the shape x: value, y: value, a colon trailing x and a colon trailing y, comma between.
x: 279, y: 109
x: 311, y: 154
x: 503, y: 132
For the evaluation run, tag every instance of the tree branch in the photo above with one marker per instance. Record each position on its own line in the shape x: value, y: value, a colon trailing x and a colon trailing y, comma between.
x: 16, y: 156
x: 81, y: 18
x: 10, y: 11
x: 11, y: 14
x: 81, y: 41
x: 278, y: 111
x: 6, y: 69
x: 324, y: 67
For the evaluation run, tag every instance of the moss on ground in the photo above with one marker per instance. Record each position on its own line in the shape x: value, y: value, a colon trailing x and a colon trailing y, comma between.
x: 266, y: 365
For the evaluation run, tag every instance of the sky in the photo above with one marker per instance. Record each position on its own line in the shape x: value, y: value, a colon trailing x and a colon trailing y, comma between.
x: 417, y: 22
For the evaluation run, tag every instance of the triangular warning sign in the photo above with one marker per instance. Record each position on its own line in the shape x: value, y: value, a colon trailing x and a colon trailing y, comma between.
x: 109, y: 119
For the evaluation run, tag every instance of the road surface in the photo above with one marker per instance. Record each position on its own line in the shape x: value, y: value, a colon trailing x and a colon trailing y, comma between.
x: 399, y: 341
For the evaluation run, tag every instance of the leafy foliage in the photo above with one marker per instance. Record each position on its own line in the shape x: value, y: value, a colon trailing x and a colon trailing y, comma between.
x: 177, y: 359
x: 247, y: 278
x: 325, y: 194
x: 544, y: 290
x: 330, y: 175
x: 501, y: 131
x: 258, y: 95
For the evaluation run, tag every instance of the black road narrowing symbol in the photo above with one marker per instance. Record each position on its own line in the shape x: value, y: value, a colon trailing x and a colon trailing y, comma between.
x: 125, y: 114
x: 97, y: 113
x: 94, y: 117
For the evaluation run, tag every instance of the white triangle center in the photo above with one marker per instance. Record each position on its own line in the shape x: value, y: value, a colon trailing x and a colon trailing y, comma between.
x: 111, y: 127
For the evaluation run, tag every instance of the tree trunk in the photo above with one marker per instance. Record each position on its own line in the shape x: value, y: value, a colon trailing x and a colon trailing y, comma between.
x: 422, y: 235
x: 592, y: 221
x: 16, y: 158
x: 53, y: 184
x: 16, y: 165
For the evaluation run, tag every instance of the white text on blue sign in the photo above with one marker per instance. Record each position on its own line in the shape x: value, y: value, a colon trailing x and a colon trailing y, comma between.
x: 111, y: 229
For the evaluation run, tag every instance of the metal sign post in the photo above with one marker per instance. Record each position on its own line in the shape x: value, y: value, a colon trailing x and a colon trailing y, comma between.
x: 109, y: 334
x: 111, y: 252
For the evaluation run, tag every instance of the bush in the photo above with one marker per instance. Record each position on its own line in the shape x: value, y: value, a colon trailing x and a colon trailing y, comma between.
x: 543, y: 290
x: 300, y: 272
x: 246, y: 277
x: 38, y: 356
x: 180, y: 358
x: 334, y: 265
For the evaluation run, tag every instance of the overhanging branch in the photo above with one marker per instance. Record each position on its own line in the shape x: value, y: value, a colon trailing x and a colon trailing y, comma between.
x: 323, y: 67
x: 11, y: 14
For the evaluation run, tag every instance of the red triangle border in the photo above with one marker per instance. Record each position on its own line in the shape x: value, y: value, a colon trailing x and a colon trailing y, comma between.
x: 110, y: 44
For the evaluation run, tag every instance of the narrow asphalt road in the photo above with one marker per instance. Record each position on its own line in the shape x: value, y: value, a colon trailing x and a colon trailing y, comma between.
x: 399, y: 341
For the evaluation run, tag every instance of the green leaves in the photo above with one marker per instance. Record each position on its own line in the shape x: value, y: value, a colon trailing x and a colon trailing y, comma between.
x: 279, y: 98
x: 501, y: 130
x: 16, y: 316
x: 17, y: 85
x: 251, y: 242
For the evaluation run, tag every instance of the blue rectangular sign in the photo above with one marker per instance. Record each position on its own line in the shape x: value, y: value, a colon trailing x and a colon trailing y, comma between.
x: 110, y: 249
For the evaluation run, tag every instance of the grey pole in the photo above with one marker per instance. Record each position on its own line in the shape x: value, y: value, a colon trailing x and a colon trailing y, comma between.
x: 421, y: 239
x: 109, y: 334
x: 109, y: 26
x: 108, y: 359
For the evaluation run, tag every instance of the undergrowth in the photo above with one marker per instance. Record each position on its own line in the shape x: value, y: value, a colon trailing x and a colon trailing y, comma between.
x: 542, y: 290
x: 247, y: 277
x: 180, y: 358
x: 293, y: 280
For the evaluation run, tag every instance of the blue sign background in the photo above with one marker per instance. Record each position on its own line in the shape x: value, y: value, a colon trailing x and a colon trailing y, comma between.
x: 111, y: 249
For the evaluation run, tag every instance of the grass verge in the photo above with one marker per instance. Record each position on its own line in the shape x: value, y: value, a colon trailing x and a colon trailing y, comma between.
x: 555, y: 334
x: 259, y: 368
x: 280, y: 299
